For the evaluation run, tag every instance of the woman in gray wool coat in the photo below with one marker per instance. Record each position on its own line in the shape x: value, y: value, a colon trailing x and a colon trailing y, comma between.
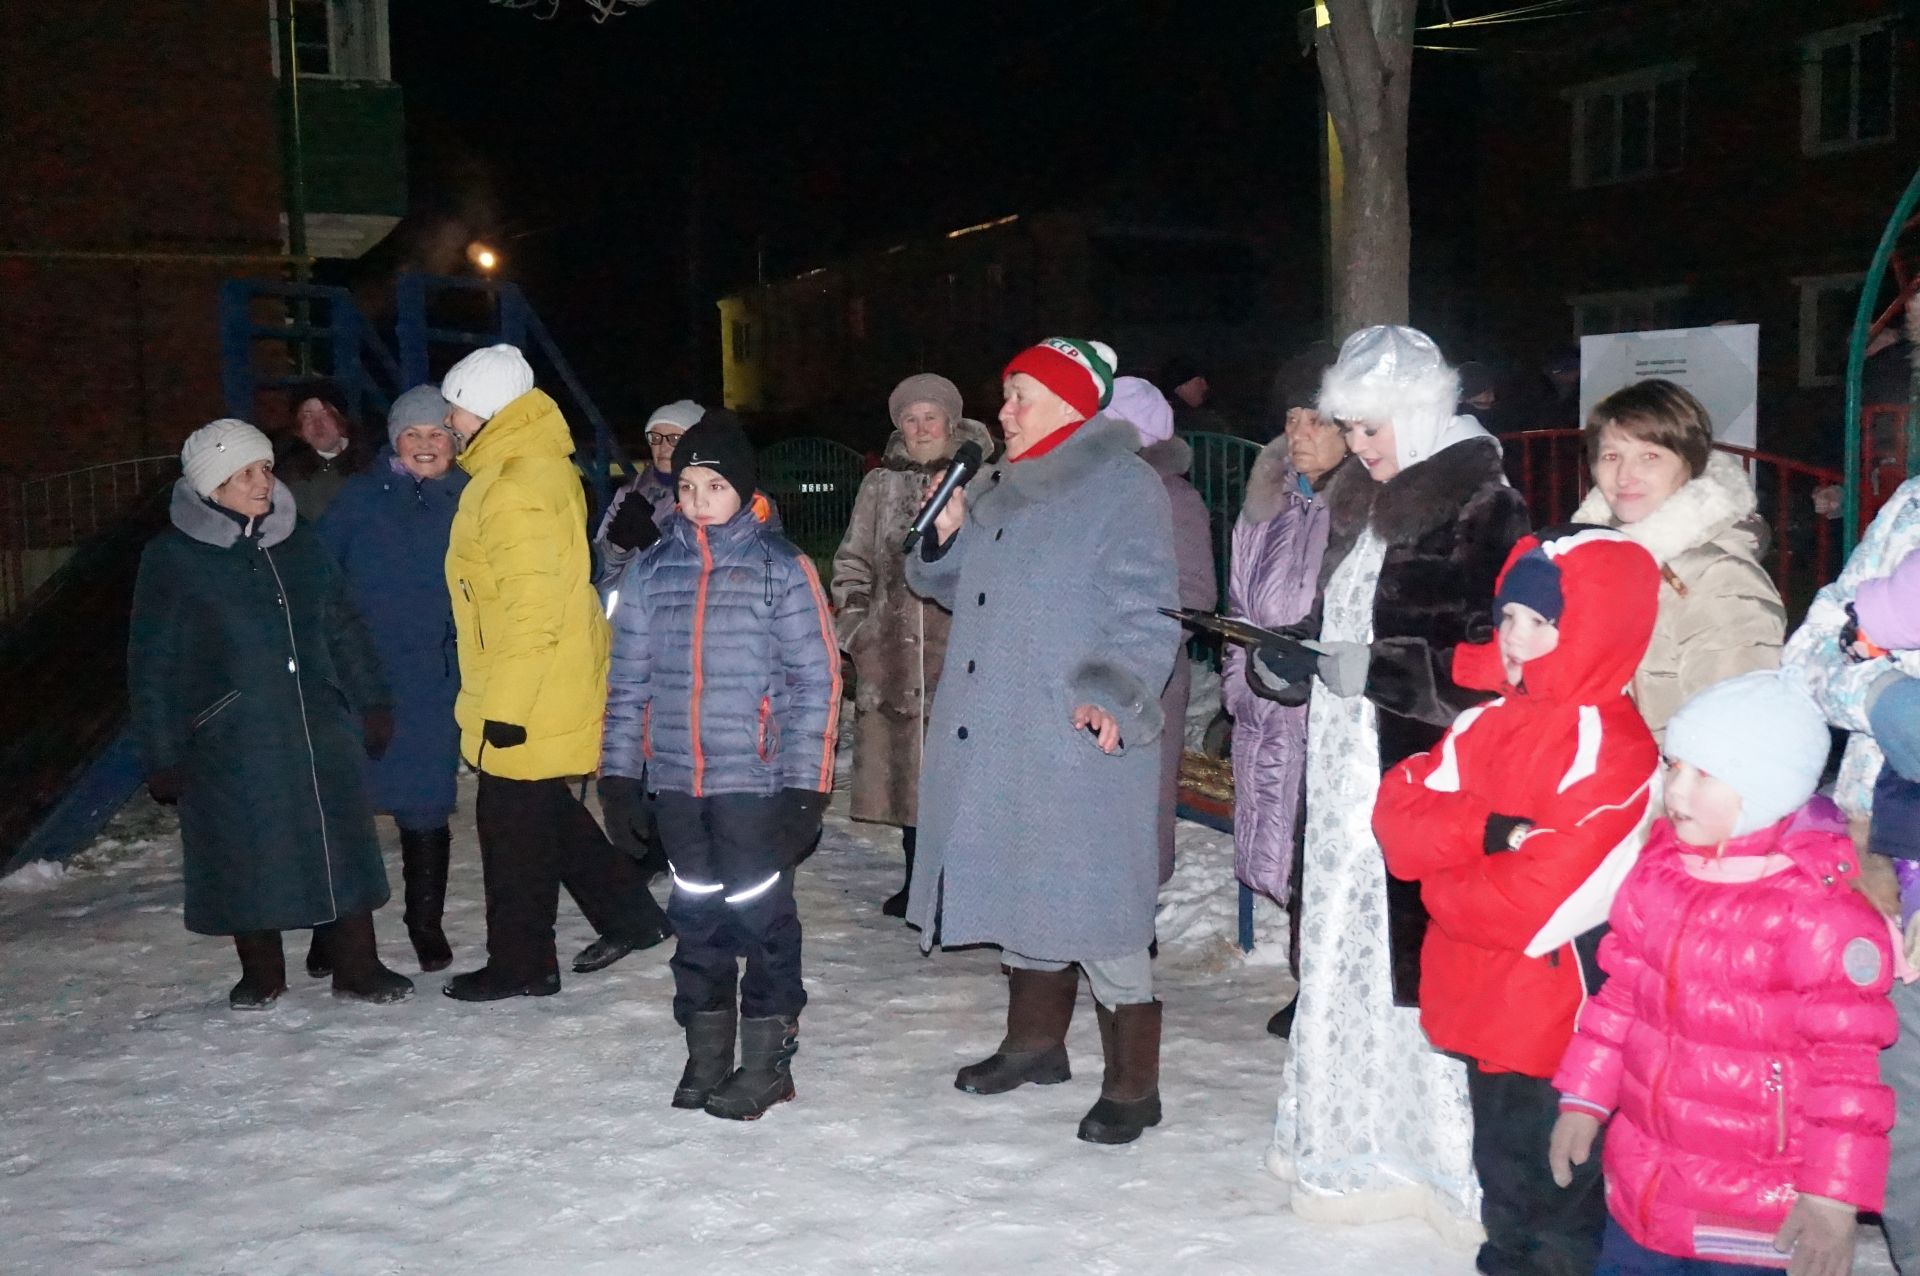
x: 1042, y: 774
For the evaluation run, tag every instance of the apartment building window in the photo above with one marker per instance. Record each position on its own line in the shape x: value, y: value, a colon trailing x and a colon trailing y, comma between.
x: 1629, y: 310
x: 1629, y: 126
x: 336, y: 39
x: 1846, y: 88
x: 1827, y: 305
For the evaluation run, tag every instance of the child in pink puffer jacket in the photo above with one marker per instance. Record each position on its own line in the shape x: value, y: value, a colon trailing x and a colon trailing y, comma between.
x: 1736, y: 1044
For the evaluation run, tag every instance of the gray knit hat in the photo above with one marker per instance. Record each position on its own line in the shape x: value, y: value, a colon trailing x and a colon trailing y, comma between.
x: 925, y: 387
x: 422, y: 405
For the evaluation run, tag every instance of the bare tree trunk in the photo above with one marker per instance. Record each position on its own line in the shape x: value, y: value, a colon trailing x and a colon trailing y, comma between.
x: 1365, y: 53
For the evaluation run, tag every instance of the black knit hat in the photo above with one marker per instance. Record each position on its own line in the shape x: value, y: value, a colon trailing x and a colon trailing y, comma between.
x: 719, y: 443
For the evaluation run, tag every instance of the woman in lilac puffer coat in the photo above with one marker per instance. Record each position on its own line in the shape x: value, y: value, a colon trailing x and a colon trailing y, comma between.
x: 1277, y: 546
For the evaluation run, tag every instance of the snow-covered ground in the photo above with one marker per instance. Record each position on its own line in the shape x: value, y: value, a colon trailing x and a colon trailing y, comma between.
x: 148, y: 1128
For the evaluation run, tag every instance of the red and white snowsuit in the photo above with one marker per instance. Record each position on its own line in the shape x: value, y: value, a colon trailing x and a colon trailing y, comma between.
x: 1567, y: 752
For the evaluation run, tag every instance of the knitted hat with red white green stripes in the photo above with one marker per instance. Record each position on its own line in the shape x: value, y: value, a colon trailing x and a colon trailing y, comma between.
x: 1079, y: 371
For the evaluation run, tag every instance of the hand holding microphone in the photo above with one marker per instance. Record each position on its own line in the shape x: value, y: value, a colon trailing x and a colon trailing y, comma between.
x: 946, y: 505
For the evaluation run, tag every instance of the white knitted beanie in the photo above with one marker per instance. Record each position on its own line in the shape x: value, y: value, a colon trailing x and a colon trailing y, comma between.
x: 488, y: 380
x: 219, y: 450
x: 681, y: 413
x: 1762, y: 734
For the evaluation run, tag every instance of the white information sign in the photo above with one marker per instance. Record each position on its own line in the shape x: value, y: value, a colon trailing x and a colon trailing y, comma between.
x: 1720, y: 365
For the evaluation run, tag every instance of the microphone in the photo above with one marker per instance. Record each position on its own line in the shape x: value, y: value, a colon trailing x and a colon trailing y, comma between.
x: 963, y: 466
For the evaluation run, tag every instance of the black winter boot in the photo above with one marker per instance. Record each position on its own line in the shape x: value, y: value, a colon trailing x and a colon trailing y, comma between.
x: 424, y: 858
x: 490, y: 983
x: 1281, y: 1024
x: 896, y: 905
x: 709, y: 1056
x: 358, y: 974
x: 1130, y: 1091
x: 318, y: 964
x: 1039, y: 1008
x: 263, y: 970
x: 765, y: 1074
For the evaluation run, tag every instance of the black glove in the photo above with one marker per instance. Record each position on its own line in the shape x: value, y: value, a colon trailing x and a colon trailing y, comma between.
x: 376, y: 730
x: 1291, y: 662
x: 504, y: 735
x: 806, y: 808
x: 623, y: 805
x: 1499, y: 834
x: 633, y: 527
x: 166, y: 785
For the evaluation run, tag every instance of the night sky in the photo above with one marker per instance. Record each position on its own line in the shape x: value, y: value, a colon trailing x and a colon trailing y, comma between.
x: 761, y: 134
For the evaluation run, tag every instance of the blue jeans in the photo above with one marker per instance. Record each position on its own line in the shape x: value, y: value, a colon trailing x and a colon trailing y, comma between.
x: 1621, y: 1255
x: 1896, y: 726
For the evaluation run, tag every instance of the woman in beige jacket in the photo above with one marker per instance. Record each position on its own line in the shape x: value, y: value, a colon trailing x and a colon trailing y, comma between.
x: 1657, y: 478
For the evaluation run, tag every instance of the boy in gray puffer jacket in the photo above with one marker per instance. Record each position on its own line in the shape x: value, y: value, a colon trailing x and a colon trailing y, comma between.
x: 725, y: 689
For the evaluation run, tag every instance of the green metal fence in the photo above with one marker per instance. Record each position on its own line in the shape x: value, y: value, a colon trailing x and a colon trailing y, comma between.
x: 813, y: 481
x: 1222, y: 463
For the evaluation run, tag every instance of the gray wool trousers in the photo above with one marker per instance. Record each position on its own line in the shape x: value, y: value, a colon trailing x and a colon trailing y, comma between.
x: 1121, y: 981
x: 1900, y: 1068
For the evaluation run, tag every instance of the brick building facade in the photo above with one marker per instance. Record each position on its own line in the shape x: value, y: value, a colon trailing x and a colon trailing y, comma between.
x: 1669, y: 163
x: 139, y: 139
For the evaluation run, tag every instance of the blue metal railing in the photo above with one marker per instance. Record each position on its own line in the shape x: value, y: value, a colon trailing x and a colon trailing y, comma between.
x: 322, y: 336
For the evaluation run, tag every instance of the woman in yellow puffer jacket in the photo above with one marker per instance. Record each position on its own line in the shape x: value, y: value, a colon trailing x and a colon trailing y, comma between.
x: 533, y: 684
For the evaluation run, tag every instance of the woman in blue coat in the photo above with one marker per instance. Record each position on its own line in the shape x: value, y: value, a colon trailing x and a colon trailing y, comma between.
x: 388, y: 528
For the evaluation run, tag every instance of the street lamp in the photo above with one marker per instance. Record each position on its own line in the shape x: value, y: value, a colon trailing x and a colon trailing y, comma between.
x: 483, y: 257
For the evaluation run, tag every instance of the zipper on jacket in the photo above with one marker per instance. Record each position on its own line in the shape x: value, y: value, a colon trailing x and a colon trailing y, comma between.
x: 1777, y: 1087
x: 313, y: 761
x: 699, y: 644
x: 479, y: 636
x: 646, y: 732
x: 760, y: 737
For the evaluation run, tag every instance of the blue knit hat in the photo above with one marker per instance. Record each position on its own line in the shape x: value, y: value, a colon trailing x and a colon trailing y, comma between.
x: 1533, y: 581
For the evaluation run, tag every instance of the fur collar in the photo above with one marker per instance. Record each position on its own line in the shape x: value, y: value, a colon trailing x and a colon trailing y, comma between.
x: 967, y: 431
x: 216, y: 527
x: 1170, y: 457
x: 1272, y: 485
x: 1418, y: 499
x: 1714, y: 507
x: 1095, y: 444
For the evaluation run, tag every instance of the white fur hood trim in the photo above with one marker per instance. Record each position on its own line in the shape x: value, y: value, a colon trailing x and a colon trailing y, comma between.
x: 1707, y: 509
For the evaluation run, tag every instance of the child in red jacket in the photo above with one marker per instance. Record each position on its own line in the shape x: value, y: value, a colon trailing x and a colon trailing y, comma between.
x: 1504, y: 824
x: 1736, y: 1045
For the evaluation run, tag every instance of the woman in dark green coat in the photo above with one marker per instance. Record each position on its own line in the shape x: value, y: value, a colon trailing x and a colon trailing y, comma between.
x: 254, y: 690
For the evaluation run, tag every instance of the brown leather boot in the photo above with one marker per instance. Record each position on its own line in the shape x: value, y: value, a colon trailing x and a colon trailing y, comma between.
x: 1039, y: 1008
x: 1130, y: 1091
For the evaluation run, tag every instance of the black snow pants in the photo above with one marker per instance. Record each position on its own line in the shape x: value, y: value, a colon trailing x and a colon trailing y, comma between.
x: 534, y: 836
x: 732, y: 899
x: 1534, y: 1227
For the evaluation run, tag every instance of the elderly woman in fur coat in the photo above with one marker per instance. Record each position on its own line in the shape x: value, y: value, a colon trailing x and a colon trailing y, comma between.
x: 1140, y: 404
x: 896, y: 638
x: 1373, y: 1122
x: 1657, y: 478
x: 1042, y: 772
